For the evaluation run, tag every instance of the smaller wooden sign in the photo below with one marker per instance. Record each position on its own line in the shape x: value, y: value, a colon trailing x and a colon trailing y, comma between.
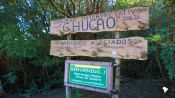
x: 125, y: 48
x: 89, y: 75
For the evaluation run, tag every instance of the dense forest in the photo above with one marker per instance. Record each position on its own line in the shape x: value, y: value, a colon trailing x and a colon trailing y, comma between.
x: 27, y: 68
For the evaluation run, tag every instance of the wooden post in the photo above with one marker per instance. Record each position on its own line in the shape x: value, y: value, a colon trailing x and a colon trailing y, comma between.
x: 117, y: 73
x: 68, y: 89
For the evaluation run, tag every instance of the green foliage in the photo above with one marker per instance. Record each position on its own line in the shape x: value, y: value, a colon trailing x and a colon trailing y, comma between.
x: 77, y: 94
x: 45, y: 62
x: 10, y: 78
x: 24, y: 48
x: 156, y: 37
x: 33, y: 88
x: 168, y: 57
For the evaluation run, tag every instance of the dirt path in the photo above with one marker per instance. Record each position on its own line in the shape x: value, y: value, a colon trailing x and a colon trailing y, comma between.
x: 130, y: 89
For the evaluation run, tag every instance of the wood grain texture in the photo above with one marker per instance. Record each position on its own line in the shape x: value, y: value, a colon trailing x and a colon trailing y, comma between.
x: 125, y: 48
x: 136, y: 18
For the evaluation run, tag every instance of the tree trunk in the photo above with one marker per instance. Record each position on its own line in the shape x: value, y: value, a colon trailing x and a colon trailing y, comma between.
x: 88, y: 7
x: 174, y: 36
x: 1, y: 89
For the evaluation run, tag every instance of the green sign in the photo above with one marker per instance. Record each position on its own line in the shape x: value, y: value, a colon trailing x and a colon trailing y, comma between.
x: 88, y: 75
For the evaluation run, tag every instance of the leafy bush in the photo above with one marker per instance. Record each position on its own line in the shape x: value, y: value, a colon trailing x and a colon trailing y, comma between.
x: 168, y: 57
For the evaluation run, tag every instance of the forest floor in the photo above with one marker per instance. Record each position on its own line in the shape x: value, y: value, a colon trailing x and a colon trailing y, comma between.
x: 130, y: 88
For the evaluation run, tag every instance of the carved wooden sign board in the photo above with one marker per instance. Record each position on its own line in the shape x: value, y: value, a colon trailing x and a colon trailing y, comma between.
x: 122, y: 20
x: 125, y: 48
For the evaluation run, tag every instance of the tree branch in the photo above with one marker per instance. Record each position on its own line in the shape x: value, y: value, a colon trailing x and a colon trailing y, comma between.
x: 44, y: 18
x: 74, y: 8
x: 88, y: 7
x: 94, y: 2
x: 98, y: 7
x: 68, y: 9
x: 56, y: 8
x: 102, y: 3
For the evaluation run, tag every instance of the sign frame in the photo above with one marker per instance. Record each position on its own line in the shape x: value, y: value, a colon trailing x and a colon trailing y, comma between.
x: 109, y: 79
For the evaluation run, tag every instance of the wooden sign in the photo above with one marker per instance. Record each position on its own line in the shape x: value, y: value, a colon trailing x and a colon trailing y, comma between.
x: 125, y: 48
x: 128, y: 19
x: 89, y: 75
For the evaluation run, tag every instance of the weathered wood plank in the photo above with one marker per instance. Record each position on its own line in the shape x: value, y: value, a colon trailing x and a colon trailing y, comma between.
x: 122, y: 20
x: 125, y: 48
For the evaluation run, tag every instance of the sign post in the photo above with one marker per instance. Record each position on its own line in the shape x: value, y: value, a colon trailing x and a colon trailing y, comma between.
x: 116, y: 85
x: 68, y: 89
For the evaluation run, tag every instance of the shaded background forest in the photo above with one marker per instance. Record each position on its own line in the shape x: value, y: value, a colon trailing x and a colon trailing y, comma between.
x: 27, y: 67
